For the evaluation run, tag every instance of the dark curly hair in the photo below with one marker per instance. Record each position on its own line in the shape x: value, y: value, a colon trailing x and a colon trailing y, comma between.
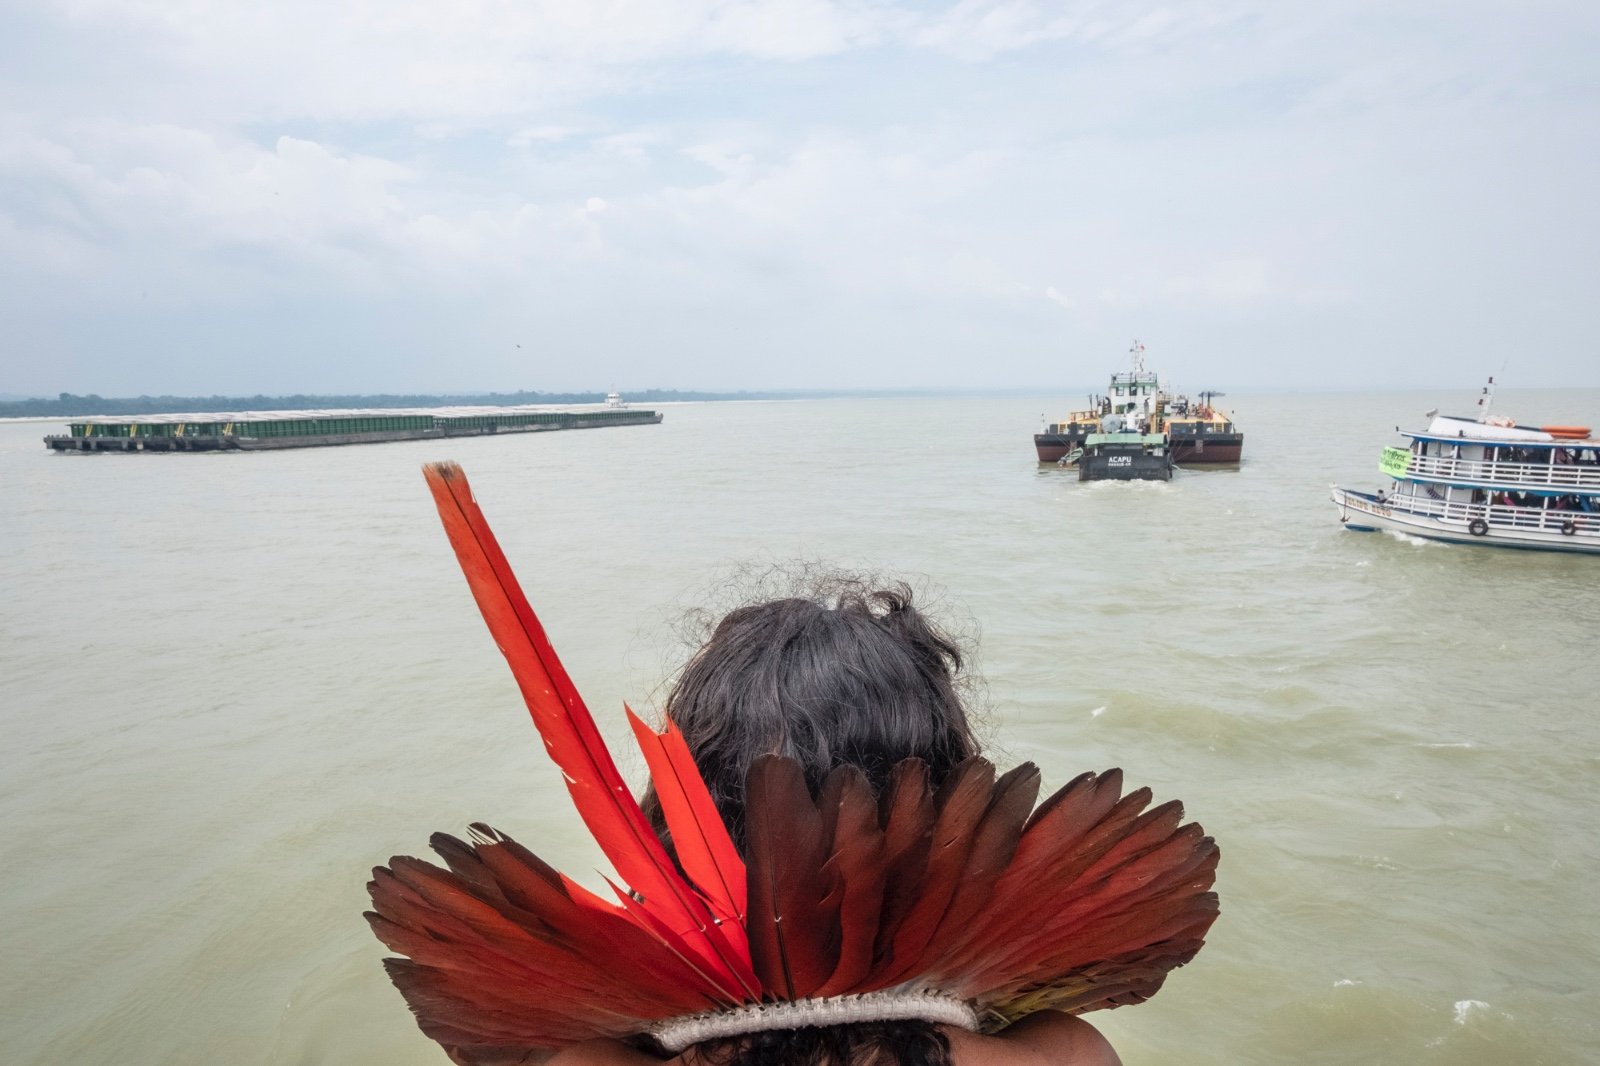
x: 848, y: 675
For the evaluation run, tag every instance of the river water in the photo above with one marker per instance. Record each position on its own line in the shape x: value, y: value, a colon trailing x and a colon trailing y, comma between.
x: 230, y: 684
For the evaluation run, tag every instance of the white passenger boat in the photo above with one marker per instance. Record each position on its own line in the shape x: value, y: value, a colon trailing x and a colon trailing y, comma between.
x: 1487, y: 481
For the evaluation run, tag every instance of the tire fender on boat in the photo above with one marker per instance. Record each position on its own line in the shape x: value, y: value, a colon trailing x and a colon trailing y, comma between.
x: 1568, y: 528
x: 1477, y: 527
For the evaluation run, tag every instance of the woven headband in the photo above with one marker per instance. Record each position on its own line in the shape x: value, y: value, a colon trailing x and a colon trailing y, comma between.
x: 675, y: 1034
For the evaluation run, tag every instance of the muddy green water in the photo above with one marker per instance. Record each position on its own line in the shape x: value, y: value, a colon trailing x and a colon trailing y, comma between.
x: 231, y: 684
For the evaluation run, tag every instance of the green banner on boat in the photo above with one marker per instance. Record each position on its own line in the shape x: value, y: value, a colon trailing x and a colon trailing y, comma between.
x: 1395, y: 461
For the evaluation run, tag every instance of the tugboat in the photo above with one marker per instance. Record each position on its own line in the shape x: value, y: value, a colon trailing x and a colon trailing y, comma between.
x: 1198, y: 433
x: 1487, y: 481
x: 1126, y: 442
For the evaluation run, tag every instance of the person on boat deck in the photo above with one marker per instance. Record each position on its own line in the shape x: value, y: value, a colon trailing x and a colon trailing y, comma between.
x: 846, y: 691
x: 849, y: 676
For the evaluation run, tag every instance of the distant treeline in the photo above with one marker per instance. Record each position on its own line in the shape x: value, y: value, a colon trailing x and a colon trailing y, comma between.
x: 68, y: 405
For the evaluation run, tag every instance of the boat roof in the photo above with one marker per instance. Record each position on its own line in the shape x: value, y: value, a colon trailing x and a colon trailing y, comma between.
x: 1455, y: 429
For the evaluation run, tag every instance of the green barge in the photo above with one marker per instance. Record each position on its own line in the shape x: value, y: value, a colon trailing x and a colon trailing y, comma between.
x: 264, y: 430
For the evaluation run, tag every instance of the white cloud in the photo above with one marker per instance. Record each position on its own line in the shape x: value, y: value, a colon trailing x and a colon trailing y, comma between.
x: 981, y: 176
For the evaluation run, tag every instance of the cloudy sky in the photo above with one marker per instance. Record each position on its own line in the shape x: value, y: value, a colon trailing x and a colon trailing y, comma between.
x: 385, y: 195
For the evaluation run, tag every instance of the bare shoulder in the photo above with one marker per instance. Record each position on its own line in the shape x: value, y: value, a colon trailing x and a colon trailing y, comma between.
x: 1048, y: 1038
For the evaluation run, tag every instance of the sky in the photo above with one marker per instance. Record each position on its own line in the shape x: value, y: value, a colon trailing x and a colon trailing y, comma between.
x: 396, y: 196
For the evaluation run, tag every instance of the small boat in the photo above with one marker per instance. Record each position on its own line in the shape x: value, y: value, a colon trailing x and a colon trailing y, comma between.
x: 1487, y: 481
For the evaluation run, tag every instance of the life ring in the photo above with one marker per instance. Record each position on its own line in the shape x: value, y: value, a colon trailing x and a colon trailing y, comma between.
x: 1568, y: 528
x: 1567, y: 432
x: 1477, y: 527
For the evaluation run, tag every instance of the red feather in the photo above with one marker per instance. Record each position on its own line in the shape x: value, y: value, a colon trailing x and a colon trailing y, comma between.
x: 705, y: 850
x: 572, y: 739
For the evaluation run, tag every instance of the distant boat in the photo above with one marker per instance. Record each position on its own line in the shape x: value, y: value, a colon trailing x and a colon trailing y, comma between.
x: 1198, y: 433
x: 1487, y: 481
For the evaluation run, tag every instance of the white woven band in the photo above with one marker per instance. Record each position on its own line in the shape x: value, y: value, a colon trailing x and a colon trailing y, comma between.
x: 675, y: 1034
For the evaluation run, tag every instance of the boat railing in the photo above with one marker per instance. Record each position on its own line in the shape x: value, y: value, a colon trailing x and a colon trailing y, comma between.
x: 1498, y: 516
x: 1483, y: 472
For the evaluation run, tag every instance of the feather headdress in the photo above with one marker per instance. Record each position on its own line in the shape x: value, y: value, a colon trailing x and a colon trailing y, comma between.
x: 968, y: 894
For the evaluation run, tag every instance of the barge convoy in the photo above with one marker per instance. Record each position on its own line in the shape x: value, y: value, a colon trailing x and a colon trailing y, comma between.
x: 1148, y: 429
x: 265, y: 430
x: 1486, y: 481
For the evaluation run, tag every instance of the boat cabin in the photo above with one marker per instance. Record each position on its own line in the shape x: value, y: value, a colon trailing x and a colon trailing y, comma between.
x: 1521, y: 478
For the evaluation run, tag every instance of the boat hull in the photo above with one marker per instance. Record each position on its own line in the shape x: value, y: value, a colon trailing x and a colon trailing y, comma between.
x: 1218, y: 450
x: 1115, y: 464
x: 1361, y: 512
x: 1053, y: 447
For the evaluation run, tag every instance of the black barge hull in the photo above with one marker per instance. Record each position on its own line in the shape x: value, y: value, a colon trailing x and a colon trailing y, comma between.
x: 1217, y: 449
x: 1120, y: 465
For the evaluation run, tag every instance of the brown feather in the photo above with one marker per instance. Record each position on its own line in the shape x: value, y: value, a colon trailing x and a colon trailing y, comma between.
x: 993, y: 846
x: 908, y: 815
x: 961, y: 803
x: 793, y: 926
x: 857, y: 849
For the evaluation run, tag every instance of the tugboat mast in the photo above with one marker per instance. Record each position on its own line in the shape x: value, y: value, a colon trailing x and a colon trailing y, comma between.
x: 1485, y: 398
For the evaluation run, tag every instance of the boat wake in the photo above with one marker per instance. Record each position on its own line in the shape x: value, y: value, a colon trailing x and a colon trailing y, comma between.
x: 1411, y: 539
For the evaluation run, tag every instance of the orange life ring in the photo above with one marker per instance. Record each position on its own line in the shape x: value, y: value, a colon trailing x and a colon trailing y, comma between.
x: 1567, y: 432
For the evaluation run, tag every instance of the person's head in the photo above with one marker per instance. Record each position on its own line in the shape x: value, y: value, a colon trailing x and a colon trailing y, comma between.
x: 852, y: 675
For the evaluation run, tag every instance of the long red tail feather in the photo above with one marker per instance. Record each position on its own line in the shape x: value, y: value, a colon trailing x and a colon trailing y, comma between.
x: 571, y: 737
